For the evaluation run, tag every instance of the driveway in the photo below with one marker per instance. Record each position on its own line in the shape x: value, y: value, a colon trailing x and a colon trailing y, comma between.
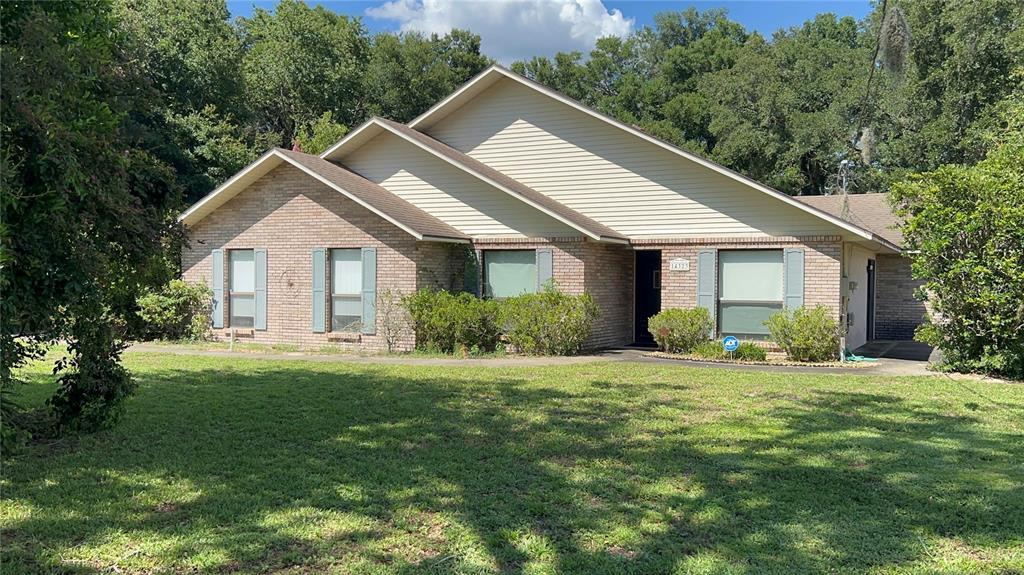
x: 890, y: 349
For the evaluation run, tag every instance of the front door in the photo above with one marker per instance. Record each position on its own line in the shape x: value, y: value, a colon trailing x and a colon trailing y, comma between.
x: 870, y: 315
x: 647, y: 293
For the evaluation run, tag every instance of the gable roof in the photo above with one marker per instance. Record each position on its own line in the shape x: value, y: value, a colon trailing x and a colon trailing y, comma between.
x: 481, y: 171
x: 371, y: 196
x: 495, y: 73
x: 870, y: 211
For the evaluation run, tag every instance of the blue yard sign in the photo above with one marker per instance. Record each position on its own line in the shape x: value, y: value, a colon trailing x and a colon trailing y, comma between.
x: 730, y: 343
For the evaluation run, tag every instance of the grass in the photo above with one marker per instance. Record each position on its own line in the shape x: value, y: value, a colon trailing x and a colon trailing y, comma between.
x: 252, y: 465
x: 256, y: 348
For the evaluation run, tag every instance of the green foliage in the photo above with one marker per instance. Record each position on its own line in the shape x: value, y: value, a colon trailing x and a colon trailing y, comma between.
x: 261, y: 465
x: 545, y: 323
x: 787, y: 110
x: 806, y: 334
x: 188, y: 48
x: 967, y: 227
x: 87, y: 209
x: 679, y: 330
x: 448, y: 323
x: 178, y: 310
x: 747, y: 351
x: 407, y: 74
x: 207, y: 148
x: 316, y: 137
x: 301, y: 61
x: 92, y: 383
x: 549, y: 322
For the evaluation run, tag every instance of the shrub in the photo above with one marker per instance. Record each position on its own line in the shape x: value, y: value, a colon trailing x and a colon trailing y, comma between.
x: 964, y: 229
x: 746, y: 351
x: 549, y: 322
x: 445, y: 322
x: 806, y: 334
x: 680, y: 330
x: 393, y: 319
x: 179, y: 310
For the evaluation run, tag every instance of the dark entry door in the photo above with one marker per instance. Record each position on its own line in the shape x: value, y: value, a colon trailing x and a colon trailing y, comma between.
x: 647, y: 293
x: 871, y: 300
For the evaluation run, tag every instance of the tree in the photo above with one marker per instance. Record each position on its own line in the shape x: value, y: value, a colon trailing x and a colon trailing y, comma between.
x: 320, y: 135
x: 785, y: 112
x: 300, y: 62
x: 187, y: 50
x: 407, y: 74
x: 967, y: 225
x: 87, y: 212
x: 190, y: 55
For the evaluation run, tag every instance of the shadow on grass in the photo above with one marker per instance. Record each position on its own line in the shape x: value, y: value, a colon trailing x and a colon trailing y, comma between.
x: 388, y: 470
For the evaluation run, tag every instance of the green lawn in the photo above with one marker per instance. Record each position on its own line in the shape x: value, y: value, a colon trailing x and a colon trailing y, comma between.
x: 251, y: 465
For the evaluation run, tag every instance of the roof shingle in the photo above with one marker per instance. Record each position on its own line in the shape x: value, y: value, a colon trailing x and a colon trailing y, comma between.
x: 376, y: 196
x: 524, y: 192
x: 869, y: 211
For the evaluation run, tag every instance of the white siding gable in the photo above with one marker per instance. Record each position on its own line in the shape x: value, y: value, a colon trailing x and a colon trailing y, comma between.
x: 635, y: 187
x: 448, y: 193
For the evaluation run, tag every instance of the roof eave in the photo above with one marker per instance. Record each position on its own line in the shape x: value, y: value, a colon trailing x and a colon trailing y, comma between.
x: 186, y: 216
x: 276, y: 155
x: 582, y: 229
x: 495, y: 70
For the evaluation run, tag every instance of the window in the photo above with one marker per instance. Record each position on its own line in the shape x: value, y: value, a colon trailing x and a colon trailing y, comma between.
x: 509, y: 273
x: 346, y: 289
x: 749, y: 291
x: 242, y: 288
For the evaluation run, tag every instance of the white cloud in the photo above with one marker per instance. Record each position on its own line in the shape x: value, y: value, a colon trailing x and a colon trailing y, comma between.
x: 512, y: 29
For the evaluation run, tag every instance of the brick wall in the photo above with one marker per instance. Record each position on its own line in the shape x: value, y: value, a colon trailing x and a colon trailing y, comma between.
x: 289, y: 214
x: 897, y: 313
x: 567, y: 257
x: 609, y: 279
x: 821, y: 266
x: 441, y: 266
x: 605, y: 271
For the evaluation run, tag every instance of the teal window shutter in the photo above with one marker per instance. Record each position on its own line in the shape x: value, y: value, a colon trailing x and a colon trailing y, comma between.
x: 369, y: 291
x: 319, y: 307
x: 217, y: 278
x: 793, y: 280
x: 706, y: 282
x: 260, y: 319
x: 545, y: 267
x: 471, y: 273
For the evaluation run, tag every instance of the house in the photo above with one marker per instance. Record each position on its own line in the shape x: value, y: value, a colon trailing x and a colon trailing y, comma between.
x: 505, y: 185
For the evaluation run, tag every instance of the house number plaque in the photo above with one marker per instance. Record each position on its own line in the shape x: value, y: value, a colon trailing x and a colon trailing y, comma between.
x: 679, y: 265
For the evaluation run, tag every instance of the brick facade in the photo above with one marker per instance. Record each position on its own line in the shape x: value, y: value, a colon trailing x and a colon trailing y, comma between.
x: 289, y: 214
x: 822, y: 269
x: 608, y: 277
x: 897, y: 312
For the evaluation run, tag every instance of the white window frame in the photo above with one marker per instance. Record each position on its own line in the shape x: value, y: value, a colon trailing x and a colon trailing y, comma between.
x: 719, y: 283
x: 354, y: 326
x: 232, y: 292
x: 484, y: 276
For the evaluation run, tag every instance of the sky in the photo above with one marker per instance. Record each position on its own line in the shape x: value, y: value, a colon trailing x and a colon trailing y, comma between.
x: 518, y: 29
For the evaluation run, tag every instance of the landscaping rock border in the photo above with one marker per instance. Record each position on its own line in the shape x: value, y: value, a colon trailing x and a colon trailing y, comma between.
x: 775, y: 362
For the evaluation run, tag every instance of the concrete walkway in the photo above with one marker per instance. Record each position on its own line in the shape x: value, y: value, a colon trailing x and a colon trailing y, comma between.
x: 881, y: 367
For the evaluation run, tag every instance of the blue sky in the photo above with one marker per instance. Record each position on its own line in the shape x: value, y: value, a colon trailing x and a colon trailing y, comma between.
x: 512, y: 30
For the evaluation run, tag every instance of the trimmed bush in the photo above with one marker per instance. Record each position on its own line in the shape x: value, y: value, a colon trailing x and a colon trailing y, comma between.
x: 180, y: 310
x: 806, y: 334
x: 445, y: 322
x: 680, y: 330
x: 746, y: 351
x: 549, y: 322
